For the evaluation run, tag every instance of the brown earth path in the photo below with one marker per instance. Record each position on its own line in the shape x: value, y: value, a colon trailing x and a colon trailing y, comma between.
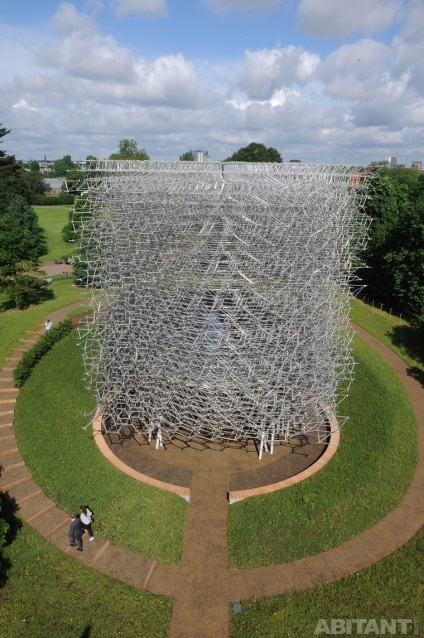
x: 203, y: 586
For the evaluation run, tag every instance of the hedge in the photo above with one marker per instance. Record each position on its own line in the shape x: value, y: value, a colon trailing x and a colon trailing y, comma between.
x: 33, y: 355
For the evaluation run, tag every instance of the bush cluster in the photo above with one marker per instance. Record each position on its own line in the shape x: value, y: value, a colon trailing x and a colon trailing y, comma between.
x: 33, y: 355
x: 53, y: 200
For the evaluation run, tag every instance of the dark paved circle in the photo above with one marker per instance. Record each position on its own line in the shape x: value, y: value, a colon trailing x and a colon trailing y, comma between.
x: 175, y: 461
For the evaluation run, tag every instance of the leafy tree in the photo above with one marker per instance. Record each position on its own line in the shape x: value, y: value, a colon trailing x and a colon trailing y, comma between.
x: 21, y: 239
x: 34, y: 184
x: 187, y: 157
x: 62, y: 166
x: 255, y: 153
x: 395, y: 252
x: 8, y: 164
x: 128, y: 150
x: 34, y: 166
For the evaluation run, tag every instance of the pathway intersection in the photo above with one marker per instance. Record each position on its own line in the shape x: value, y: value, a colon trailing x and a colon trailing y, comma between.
x: 203, y: 586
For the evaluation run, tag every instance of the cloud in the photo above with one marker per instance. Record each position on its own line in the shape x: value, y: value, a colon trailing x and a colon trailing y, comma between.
x: 344, y: 18
x: 98, y: 57
x: 226, y: 5
x: 169, y: 80
x: 68, y: 20
x: 264, y: 71
x: 139, y: 7
x: 353, y: 71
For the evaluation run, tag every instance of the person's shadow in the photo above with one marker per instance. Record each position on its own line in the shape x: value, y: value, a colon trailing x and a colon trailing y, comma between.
x: 87, y: 632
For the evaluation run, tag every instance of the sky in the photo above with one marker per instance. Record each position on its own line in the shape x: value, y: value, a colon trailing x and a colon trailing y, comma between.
x: 322, y: 81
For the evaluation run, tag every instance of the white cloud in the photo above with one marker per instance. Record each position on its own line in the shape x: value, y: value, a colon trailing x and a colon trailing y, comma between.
x: 353, y: 71
x: 139, y: 7
x: 169, y: 80
x: 265, y: 71
x: 68, y: 20
x: 344, y: 18
x: 225, y: 5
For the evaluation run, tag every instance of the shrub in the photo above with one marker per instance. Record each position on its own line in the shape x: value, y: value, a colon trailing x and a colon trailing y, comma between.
x: 44, y: 344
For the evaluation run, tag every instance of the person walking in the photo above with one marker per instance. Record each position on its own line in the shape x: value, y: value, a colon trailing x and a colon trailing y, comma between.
x: 48, y: 325
x: 75, y: 533
x: 86, y: 517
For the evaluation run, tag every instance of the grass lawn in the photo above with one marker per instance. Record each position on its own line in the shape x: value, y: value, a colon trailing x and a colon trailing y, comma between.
x: 13, y: 323
x: 48, y: 594
x: 51, y: 410
x: 392, y: 588
x: 407, y: 341
x: 52, y: 219
x: 364, y: 480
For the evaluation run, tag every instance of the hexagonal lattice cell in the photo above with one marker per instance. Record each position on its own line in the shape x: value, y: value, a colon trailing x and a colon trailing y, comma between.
x: 220, y: 295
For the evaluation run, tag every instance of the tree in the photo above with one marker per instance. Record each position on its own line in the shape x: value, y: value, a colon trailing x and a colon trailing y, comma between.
x: 62, y: 166
x: 128, y: 150
x: 34, y: 166
x: 255, y: 153
x: 187, y: 157
x: 395, y: 252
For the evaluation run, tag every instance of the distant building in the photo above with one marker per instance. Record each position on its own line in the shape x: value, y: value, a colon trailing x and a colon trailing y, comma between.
x: 392, y: 161
x: 200, y: 156
x: 417, y: 164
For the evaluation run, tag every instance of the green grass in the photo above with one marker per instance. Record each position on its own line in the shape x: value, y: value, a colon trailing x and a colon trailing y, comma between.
x: 64, y: 460
x: 13, y: 323
x: 49, y: 594
x: 365, y: 479
x: 405, y: 340
x: 52, y: 219
x: 392, y: 588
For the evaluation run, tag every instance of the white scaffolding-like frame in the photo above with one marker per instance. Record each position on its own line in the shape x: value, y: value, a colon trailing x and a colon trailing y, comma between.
x: 220, y: 295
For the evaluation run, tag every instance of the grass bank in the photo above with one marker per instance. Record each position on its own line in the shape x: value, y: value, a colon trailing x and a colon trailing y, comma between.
x: 52, y: 219
x: 365, y: 479
x: 51, y: 411
x: 405, y: 340
x: 48, y: 594
x: 13, y: 323
x: 390, y: 589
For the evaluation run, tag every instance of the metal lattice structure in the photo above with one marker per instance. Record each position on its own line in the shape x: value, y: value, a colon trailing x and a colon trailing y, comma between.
x: 220, y: 295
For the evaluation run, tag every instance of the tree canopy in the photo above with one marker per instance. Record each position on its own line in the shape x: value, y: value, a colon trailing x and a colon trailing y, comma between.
x: 395, y: 252
x: 255, y: 152
x: 62, y: 166
x: 128, y: 150
x: 21, y: 239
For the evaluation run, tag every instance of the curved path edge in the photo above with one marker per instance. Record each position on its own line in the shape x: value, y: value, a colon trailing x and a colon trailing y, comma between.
x: 395, y: 529
x: 233, y: 495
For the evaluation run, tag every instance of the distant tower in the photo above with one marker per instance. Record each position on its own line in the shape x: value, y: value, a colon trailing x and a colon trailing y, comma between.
x: 392, y: 161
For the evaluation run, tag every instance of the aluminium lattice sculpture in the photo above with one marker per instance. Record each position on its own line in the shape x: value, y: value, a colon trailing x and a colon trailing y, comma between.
x: 220, y: 295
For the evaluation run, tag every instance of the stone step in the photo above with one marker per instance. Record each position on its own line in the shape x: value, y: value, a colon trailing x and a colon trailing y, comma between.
x: 8, y: 394
x: 49, y: 520
x: 23, y: 489
x: 7, y: 402
x: 11, y: 460
x: 10, y: 479
x: 36, y: 507
x: 29, y: 497
x: 8, y: 448
x: 6, y: 429
x: 6, y: 417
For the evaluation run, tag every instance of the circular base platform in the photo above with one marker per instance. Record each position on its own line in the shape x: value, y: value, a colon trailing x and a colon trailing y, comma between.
x: 171, y: 466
